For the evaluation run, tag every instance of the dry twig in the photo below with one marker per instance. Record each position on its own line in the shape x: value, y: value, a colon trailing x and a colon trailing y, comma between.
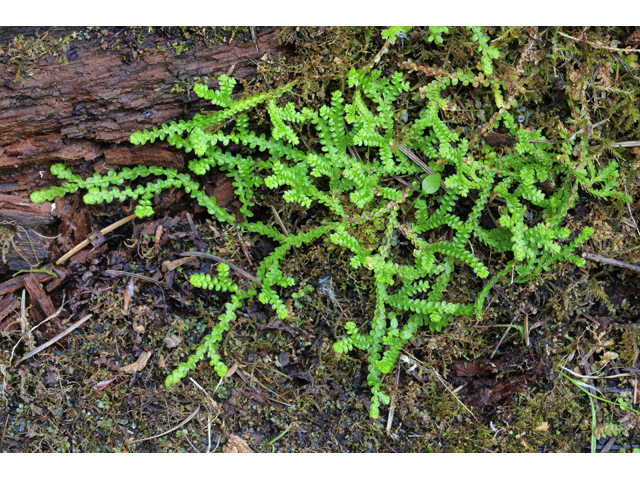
x: 134, y: 275
x: 184, y: 422
x: 286, y: 233
x: 86, y: 242
x: 222, y: 260
x: 392, y: 406
x: 54, y: 339
x: 610, y: 261
x: 613, y: 49
x: 414, y: 158
x: 629, y: 206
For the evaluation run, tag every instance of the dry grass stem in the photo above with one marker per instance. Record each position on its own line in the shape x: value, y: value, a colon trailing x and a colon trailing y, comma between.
x: 54, y: 339
x: 184, y: 422
x: 226, y: 262
x: 414, y: 158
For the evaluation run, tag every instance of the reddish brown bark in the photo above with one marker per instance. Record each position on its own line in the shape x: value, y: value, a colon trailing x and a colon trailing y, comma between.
x: 78, y: 110
x: 84, y: 111
x: 38, y: 295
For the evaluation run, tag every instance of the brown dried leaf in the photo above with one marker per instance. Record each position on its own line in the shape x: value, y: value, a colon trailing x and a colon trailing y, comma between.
x: 543, y: 427
x: 232, y: 370
x: 173, y: 341
x: 634, y: 39
x: 138, y: 364
x: 283, y: 359
x: 236, y: 445
x: 98, y: 387
x: 603, y: 72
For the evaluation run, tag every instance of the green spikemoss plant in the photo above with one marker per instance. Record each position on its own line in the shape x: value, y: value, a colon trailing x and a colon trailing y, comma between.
x: 345, y: 173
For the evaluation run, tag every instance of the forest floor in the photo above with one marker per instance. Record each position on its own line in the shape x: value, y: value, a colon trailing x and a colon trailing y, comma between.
x: 507, y: 382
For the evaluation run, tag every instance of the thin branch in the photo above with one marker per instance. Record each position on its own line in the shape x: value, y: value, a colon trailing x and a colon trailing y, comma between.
x: 613, y: 49
x: 594, y: 376
x: 286, y: 233
x: 134, y: 275
x: 582, y: 130
x: 414, y: 158
x: 413, y: 360
x: 392, y: 407
x: 222, y: 260
x: 86, y: 242
x: 406, y: 184
x: 629, y: 144
x: 629, y: 207
x: 610, y: 261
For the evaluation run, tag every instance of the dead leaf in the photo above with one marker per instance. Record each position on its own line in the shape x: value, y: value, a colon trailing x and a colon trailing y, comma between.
x: 232, y: 370
x: 283, y: 359
x: 138, y: 328
x: 607, y: 357
x: 138, y: 364
x: 158, y: 236
x: 543, y: 427
x: 102, y: 385
x: 173, y: 341
x: 236, y: 445
x: 110, y: 363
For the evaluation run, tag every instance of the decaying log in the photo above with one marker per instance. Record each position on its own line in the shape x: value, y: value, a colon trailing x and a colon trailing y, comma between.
x: 76, y: 111
x: 38, y: 295
x: 17, y: 209
x: 21, y: 249
x: 83, y: 112
x: 17, y: 283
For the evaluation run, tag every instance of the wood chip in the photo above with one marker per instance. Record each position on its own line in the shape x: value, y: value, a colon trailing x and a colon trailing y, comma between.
x: 236, y: 445
x: 7, y: 305
x: 138, y: 364
x: 172, y: 265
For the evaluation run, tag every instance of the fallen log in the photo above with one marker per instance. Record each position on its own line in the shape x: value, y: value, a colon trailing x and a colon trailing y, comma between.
x: 79, y: 110
x: 79, y: 105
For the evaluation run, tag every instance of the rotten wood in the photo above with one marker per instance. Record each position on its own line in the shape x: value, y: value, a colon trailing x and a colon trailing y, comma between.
x: 63, y: 275
x: 26, y: 250
x: 76, y: 111
x: 18, y: 282
x: 17, y: 209
x: 7, y: 305
x: 38, y: 295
